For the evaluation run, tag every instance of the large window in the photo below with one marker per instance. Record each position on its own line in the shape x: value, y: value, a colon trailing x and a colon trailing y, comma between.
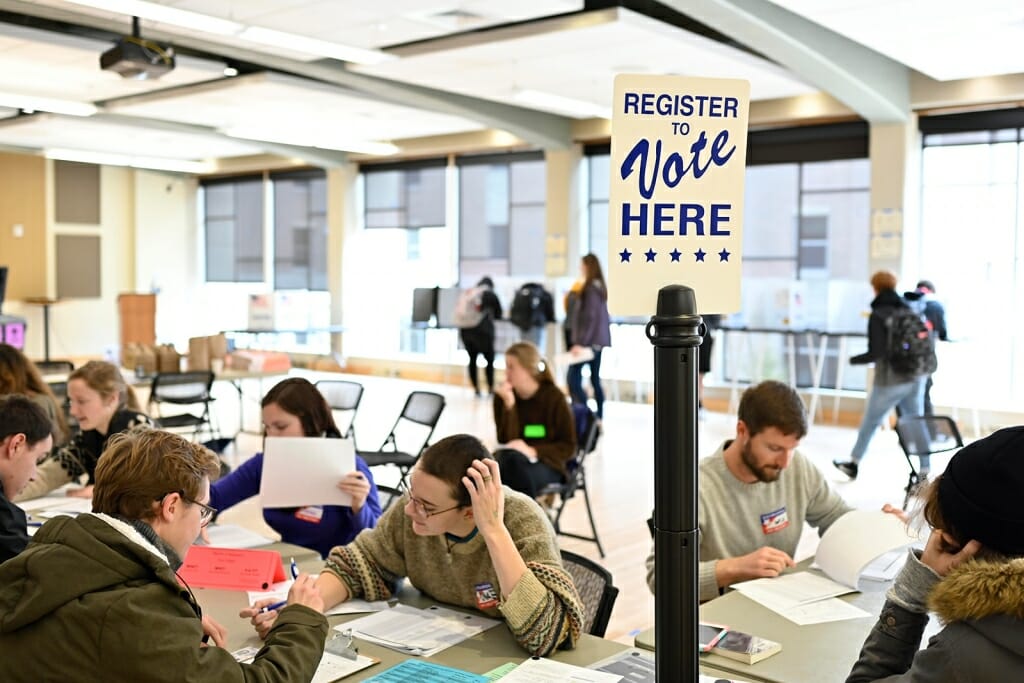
x: 404, y: 243
x: 408, y: 196
x: 972, y: 218
x: 233, y: 217
x: 502, y: 215
x: 300, y: 230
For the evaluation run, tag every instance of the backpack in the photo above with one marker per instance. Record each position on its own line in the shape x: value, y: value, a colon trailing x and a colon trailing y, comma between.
x: 911, y: 347
x: 468, y: 308
x: 532, y: 307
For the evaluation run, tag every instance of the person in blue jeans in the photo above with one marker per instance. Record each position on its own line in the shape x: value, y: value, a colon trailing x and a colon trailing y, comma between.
x: 589, y: 325
x: 891, y: 388
x: 295, y: 407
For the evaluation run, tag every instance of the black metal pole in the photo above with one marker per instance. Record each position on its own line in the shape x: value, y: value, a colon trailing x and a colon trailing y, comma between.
x: 675, y: 331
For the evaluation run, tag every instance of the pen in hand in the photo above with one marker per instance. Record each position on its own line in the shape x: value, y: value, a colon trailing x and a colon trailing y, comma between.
x: 279, y: 605
x: 276, y: 605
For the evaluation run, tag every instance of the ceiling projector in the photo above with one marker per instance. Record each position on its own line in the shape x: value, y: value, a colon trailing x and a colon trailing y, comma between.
x: 138, y: 59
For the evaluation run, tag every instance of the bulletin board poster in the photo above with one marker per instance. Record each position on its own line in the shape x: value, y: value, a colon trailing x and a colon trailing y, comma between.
x: 675, y: 213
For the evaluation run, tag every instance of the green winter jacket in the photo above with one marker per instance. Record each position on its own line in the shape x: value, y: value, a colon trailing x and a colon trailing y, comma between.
x: 91, y: 599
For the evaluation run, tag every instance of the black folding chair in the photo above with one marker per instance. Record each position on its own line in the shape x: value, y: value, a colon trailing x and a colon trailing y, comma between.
x: 343, y: 397
x: 594, y: 585
x: 183, y: 389
x: 587, y: 431
x: 925, y: 435
x: 409, y: 436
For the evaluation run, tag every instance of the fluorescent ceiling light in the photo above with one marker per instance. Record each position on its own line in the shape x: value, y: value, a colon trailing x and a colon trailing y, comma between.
x: 33, y: 103
x: 312, y: 46
x: 166, y: 15
x: 563, y: 105
x: 106, y: 159
x: 312, y: 139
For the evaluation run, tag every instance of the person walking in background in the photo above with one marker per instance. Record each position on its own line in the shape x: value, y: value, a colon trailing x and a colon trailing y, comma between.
x: 104, y: 405
x: 891, y: 387
x: 533, y: 423
x: 294, y: 407
x: 589, y: 327
x: 922, y: 300
x: 479, y: 339
x: 712, y: 321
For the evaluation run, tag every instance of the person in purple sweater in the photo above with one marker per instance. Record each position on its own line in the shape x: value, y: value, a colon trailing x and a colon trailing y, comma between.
x: 295, y: 407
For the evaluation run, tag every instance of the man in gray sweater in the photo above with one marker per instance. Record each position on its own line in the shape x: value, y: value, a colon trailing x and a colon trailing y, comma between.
x: 755, y: 493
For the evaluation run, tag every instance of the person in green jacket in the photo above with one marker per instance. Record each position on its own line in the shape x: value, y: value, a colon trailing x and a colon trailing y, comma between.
x: 96, y: 597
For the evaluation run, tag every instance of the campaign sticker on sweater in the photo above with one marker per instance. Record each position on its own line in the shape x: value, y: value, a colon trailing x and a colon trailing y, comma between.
x: 486, y: 596
x: 773, y: 522
x: 310, y: 513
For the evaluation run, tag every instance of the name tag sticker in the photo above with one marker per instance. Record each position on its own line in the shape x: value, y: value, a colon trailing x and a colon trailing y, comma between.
x: 775, y: 521
x: 534, y: 431
x: 312, y: 514
x: 486, y: 596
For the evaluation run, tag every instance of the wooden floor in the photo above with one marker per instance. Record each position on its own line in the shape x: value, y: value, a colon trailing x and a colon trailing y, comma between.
x: 620, y: 473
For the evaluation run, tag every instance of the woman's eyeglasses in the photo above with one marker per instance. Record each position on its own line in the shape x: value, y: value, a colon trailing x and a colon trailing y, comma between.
x: 421, y: 509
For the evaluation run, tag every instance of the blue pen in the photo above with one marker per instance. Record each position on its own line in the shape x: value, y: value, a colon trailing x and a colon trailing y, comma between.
x: 295, y: 569
x: 276, y: 605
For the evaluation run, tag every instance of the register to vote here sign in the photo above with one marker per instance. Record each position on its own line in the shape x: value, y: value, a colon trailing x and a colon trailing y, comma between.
x: 676, y: 209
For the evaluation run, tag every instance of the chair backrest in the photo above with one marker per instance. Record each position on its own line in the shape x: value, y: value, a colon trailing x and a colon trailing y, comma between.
x: 415, y: 424
x: 594, y: 585
x: 587, y: 431
x: 54, y: 367
x: 342, y: 396
x: 927, y: 434
x: 181, y: 387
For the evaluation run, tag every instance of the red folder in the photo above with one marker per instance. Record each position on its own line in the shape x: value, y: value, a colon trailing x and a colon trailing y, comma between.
x: 231, y: 568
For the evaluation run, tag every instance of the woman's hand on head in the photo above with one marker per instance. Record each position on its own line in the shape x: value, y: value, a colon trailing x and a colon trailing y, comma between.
x: 356, y: 485
x: 942, y: 554
x: 483, y: 481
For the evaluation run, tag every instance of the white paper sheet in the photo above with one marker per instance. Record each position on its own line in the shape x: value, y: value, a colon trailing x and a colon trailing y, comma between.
x: 583, y: 355
x: 539, y: 670
x: 857, y: 538
x: 421, y: 632
x: 886, y: 567
x: 299, y: 471
x: 331, y: 668
x: 72, y: 507
x: 277, y: 592
x: 234, y: 536
x: 45, y: 502
x: 358, y: 607
x: 791, y: 590
x: 803, y: 598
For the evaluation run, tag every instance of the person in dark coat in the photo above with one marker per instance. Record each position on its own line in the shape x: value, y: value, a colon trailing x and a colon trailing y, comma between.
x: 589, y: 327
x: 970, y: 573
x: 479, y: 340
x: 891, y: 388
x: 26, y: 436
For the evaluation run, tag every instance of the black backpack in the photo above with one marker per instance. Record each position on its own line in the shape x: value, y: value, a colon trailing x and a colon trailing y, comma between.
x: 911, y: 346
x: 531, y: 307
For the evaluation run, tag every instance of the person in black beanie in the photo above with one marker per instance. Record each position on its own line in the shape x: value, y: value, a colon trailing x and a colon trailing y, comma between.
x: 971, y: 573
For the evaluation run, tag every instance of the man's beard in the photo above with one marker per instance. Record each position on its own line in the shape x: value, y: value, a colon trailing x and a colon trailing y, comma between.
x: 764, y: 474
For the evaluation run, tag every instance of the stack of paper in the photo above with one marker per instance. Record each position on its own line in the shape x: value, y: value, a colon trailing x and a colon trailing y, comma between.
x: 538, y: 670
x: 331, y: 667
x: 849, y: 549
x: 421, y: 632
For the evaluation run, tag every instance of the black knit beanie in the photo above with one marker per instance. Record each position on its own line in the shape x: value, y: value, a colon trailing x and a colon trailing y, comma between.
x: 981, y: 491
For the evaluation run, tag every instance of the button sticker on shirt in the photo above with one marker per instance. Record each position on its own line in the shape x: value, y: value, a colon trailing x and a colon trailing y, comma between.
x: 312, y: 514
x: 773, y: 522
x: 486, y: 596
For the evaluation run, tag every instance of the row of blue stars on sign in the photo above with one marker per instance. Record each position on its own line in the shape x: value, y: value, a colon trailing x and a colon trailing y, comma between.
x: 698, y: 256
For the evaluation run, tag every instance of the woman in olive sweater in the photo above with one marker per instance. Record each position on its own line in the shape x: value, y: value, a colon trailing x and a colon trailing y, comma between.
x: 463, y: 539
x: 533, y: 423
